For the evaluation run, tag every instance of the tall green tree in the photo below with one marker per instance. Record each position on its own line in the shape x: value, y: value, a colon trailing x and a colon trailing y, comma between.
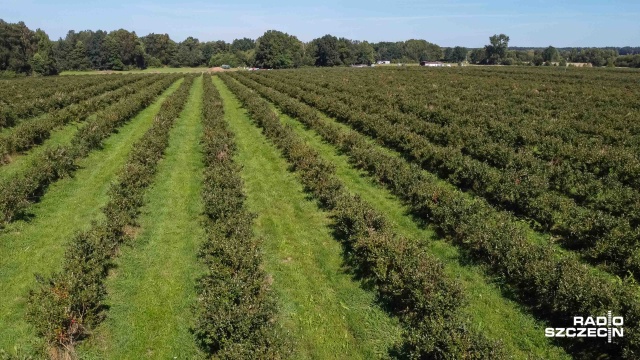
x: 78, y: 59
x: 422, y: 50
x: 364, y: 53
x: 125, y: 50
x: 209, y: 49
x: 434, y: 52
x: 70, y: 56
x: 497, y: 49
x: 459, y: 53
x: 17, y: 47
x: 326, y: 51
x: 244, y: 44
x: 25, y: 51
x: 215, y: 47
x: 190, y: 53
x: 97, y: 50
x: 448, y: 54
x: 478, y: 56
x: 114, y: 61
x: 455, y: 54
x: 346, y: 51
x: 247, y: 57
x: 550, y: 54
x: 43, y: 61
x: 389, y: 50
x: 225, y: 58
x: 160, y: 47
x: 278, y: 50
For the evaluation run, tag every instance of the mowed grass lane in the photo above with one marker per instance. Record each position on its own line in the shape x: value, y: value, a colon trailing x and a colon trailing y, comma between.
x: 37, y: 245
x: 152, y: 289
x: 491, y: 313
x: 327, y: 315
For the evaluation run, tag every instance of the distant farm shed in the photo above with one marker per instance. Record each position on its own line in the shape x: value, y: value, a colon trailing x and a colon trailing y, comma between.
x: 433, y: 64
x: 580, y: 64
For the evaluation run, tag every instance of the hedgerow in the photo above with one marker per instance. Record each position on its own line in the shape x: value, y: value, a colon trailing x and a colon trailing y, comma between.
x: 236, y: 311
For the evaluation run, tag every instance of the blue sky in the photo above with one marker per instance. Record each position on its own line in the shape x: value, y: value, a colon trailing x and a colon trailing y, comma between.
x: 463, y: 22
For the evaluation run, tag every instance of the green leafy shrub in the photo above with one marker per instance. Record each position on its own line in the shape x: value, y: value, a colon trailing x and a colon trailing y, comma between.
x: 235, y: 313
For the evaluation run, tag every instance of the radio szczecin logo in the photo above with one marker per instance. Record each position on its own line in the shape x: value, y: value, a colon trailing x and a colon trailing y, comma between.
x: 591, y: 327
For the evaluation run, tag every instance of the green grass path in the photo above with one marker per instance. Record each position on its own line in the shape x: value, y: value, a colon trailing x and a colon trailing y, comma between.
x: 37, y: 246
x: 327, y: 314
x: 152, y: 290
x: 492, y: 314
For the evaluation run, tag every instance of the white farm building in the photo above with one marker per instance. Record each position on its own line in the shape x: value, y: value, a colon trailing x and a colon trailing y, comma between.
x: 434, y: 64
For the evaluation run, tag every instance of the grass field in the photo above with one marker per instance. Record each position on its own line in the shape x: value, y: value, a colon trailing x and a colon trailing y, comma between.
x: 398, y: 213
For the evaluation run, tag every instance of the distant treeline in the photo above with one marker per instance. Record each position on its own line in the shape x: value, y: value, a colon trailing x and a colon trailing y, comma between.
x: 627, y: 50
x: 24, y: 51
x: 606, y: 56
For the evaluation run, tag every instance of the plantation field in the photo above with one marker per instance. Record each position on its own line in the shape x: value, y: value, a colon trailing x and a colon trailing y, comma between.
x: 160, y: 70
x: 388, y: 212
